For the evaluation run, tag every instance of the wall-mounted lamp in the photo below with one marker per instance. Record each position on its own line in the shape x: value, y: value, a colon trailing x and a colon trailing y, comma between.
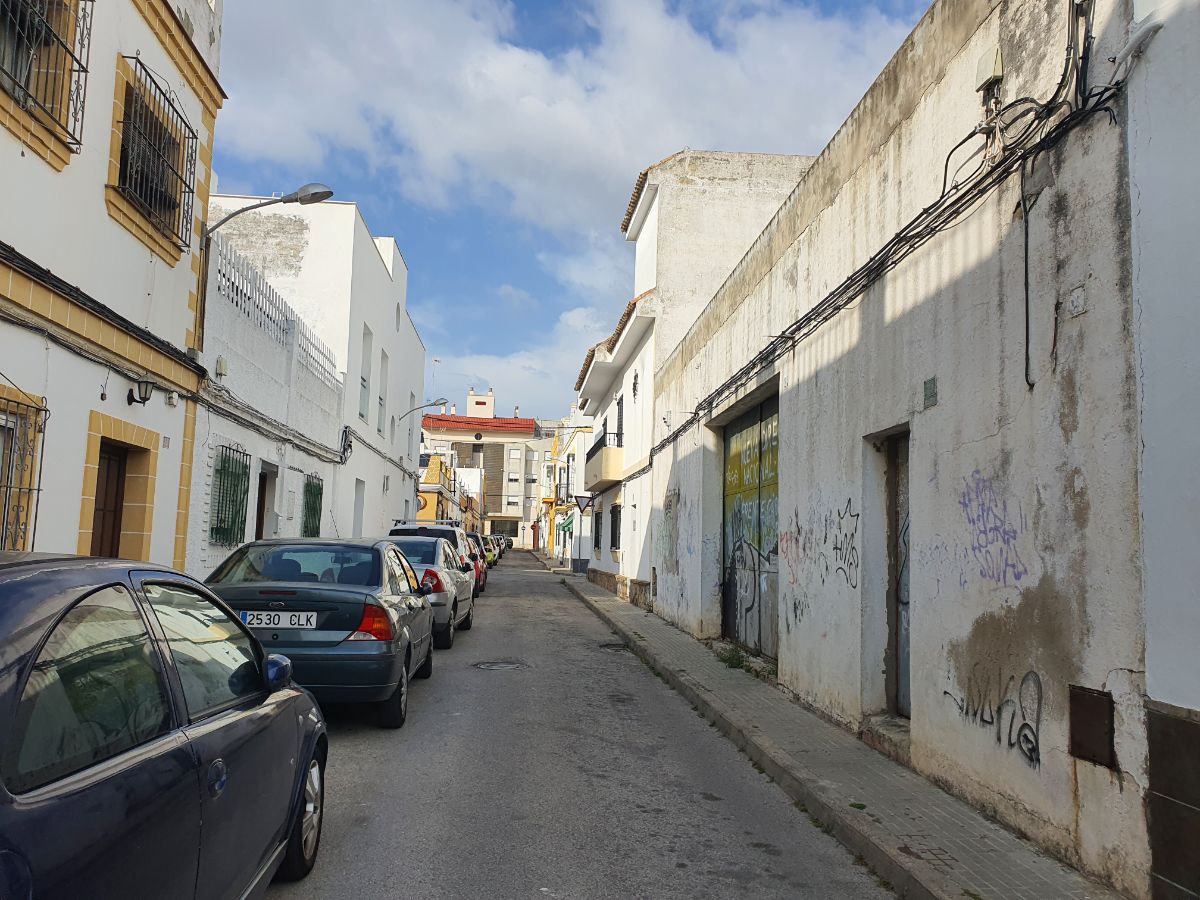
x: 144, y: 388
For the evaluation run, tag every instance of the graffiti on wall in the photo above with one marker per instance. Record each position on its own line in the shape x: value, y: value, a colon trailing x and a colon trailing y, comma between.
x: 842, y: 538
x: 1012, y: 708
x: 995, y: 530
x: 668, y: 535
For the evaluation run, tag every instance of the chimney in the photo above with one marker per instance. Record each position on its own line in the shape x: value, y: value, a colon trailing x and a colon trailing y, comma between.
x: 443, y: 409
x: 470, y: 392
x: 453, y: 409
x: 490, y: 392
x: 516, y: 412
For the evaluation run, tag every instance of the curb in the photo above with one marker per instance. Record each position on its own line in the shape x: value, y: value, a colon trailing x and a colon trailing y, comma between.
x: 908, y: 877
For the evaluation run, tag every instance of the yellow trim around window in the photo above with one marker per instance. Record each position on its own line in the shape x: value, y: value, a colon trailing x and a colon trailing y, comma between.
x: 166, y: 26
x: 42, y: 140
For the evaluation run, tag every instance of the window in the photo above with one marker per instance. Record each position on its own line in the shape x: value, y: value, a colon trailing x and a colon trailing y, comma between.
x: 515, y: 453
x: 231, y: 486
x: 95, y: 691
x: 314, y: 490
x: 383, y: 391
x: 597, y: 528
x: 514, y: 478
x: 327, y: 563
x: 396, y: 582
x: 21, y: 428
x: 215, y: 657
x: 620, y: 421
x: 158, y: 155
x: 42, y: 50
x: 614, y: 525
x: 414, y: 583
x: 412, y: 404
x: 364, y: 377
x: 635, y: 385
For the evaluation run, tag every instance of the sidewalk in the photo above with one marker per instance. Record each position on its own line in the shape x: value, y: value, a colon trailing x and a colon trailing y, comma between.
x: 910, y: 832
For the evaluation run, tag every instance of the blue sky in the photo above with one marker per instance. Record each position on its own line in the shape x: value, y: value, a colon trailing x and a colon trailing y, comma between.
x: 498, y: 142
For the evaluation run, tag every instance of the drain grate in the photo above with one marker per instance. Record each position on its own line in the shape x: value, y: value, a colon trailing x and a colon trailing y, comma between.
x: 500, y: 665
x: 614, y: 647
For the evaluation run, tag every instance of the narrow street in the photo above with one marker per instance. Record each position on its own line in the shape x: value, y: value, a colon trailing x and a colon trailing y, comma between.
x: 579, y: 774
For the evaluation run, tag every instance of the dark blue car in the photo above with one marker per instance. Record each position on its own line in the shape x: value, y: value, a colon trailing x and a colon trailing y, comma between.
x: 148, y: 747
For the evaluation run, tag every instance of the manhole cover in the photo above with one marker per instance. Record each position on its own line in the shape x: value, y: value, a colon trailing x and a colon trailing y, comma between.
x: 500, y: 665
x: 614, y: 647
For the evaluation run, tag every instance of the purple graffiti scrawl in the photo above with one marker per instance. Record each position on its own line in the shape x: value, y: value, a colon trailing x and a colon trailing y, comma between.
x: 994, y: 534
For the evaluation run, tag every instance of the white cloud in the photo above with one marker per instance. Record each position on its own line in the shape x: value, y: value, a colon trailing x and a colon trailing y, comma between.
x: 441, y: 101
x: 533, y: 377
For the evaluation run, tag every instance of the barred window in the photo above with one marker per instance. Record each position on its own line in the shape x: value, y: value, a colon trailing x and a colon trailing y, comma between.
x: 597, y: 528
x: 21, y: 427
x: 158, y: 156
x: 230, y: 490
x: 614, y: 525
x: 44, y: 47
x: 314, y: 490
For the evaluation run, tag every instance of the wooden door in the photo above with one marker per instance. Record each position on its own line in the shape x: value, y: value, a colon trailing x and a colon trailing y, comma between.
x: 110, y: 500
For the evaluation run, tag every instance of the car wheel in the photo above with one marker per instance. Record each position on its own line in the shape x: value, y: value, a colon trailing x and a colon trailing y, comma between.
x: 443, y: 638
x: 394, y: 710
x: 469, y: 621
x: 426, y: 669
x: 305, y: 838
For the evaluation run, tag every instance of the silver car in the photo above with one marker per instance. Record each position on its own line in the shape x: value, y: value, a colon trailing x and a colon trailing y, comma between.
x: 451, y: 582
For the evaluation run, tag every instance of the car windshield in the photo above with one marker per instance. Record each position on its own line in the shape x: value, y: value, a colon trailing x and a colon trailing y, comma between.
x: 419, y: 552
x: 327, y: 563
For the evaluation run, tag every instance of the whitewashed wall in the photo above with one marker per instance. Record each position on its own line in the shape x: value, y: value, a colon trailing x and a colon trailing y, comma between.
x: 1046, y: 592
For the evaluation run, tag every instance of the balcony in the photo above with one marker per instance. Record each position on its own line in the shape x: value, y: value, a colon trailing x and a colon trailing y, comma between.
x: 605, y: 464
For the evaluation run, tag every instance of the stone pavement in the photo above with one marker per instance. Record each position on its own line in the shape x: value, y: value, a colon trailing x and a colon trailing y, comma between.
x: 910, y: 832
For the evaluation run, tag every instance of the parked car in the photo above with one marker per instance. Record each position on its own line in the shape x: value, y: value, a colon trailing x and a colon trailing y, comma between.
x: 485, y: 548
x: 509, y: 542
x: 500, y: 545
x: 352, y: 616
x: 454, y: 533
x: 451, y: 580
x: 148, y: 745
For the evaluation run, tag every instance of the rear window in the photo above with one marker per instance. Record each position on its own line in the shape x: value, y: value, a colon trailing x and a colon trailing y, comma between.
x: 425, y: 531
x: 419, y: 552
x: 325, y: 563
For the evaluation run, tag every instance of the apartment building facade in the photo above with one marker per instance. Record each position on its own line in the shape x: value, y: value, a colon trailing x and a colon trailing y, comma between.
x: 107, y: 114
x: 691, y: 217
x: 350, y: 288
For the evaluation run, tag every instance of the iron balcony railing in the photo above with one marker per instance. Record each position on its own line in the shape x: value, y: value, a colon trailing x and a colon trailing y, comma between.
x: 605, y: 439
x: 44, y: 48
x: 158, y: 155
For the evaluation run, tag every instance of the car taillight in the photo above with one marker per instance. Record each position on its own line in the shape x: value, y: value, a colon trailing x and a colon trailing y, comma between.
x: 434, y: 581
x: 374, y: 625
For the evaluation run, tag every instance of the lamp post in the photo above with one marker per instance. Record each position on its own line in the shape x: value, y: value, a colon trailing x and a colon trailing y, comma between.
x: 313, y: 192
x: 438, y: 402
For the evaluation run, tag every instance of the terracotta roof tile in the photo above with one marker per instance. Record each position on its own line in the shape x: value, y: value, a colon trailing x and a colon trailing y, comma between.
x: 610, y: 342
x: 640, y: 185
x: 439, y: 422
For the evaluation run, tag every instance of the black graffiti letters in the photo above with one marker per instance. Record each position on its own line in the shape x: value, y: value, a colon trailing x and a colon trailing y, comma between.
x: 1015, y: 714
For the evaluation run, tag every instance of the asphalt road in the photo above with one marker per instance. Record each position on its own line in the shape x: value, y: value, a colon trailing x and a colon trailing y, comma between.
x: 578, y: 775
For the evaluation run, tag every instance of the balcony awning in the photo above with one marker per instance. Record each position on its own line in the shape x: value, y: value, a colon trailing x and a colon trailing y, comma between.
x: 567, y: 523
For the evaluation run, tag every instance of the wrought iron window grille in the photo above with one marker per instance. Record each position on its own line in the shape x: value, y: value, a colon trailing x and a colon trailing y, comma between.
x: 614, y: 525
x: 44, y: 49
x: 22, y: 426
x: 314, y: 490
x: 158, y: 155
x: 230, y: 491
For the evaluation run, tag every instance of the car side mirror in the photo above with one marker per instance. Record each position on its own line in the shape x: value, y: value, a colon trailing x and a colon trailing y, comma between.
x: 278, y: 672
x: 466, y: 567
x: 473, y: 557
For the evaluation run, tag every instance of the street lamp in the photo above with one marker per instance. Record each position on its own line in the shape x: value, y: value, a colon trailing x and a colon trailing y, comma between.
x: 438, y: 402
x: 313, y: 192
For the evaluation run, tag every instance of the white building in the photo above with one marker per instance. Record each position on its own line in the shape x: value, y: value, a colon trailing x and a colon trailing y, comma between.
x: 928, y: 443
x: 269, y: 439
x: 351, y: 289
x: 106, y: 130
x: 692, y: 216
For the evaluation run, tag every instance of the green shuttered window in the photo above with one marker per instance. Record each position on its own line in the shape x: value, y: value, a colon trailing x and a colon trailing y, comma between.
x: 231, y: 488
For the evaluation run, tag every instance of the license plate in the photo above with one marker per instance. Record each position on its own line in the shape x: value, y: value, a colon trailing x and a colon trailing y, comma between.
x: 280, y: 619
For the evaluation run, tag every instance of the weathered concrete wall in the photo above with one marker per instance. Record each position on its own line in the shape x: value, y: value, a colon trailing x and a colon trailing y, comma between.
x: 1022, y: 547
